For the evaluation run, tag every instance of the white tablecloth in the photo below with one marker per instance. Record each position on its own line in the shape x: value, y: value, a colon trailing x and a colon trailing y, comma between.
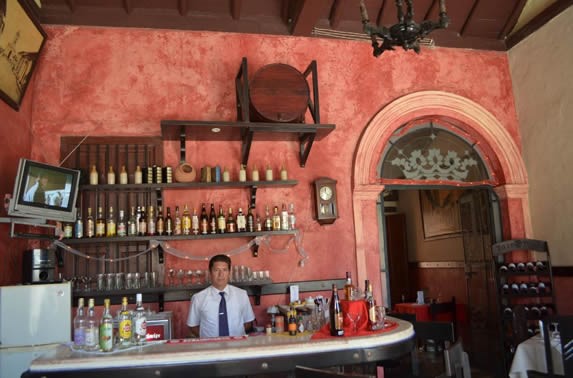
x: 530, y: 355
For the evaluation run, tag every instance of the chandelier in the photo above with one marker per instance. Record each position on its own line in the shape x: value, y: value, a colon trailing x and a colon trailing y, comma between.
x: 406, y: 33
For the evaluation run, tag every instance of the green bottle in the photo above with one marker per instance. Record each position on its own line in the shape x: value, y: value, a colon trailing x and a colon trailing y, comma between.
x: 106, y: 329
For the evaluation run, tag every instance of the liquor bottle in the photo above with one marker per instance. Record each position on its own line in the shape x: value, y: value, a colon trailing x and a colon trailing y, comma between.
x: 258, y: 223
x: 124, y: 325
x: 268, y: 220
x: 93, y: 176
x: 204, y: 221
x: 186, y: 221
x: 137, y: 219
x: 79, y: 226
x: 291, y: 217
x: 177, y: 228
x: 132, y: 223
x: 276, y: 219
x: 80, y: 326
x: 100, y: 224
x: 123, y: 175
x: 292, y: 322
x: 111, y: 225
x: 195, y: 222
x: 221, y: 221
x: 241, y: 221
x: 336, y: 316
x: 142, y: 229
x: 212, y: 220
x: 110, y: 176
x: 231, y: 225
x: 168, y: 223
x: 92, y: 324
x: 151, y: 221
x: 68, y: 230
x: 90, y: 223
x: 106, y: 329
x: 348, y: 287
x: 121, y: 225
x: 250, y: 221
x: 370, y: 305
x: 139, y: 321
x: 284, y: 218
x: 160, y: 222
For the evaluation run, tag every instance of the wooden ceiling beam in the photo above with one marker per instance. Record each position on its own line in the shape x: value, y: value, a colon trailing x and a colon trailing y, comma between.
x: 305, y: 19
x: 128, y: 6
x: 470, y: 14
x: 71, y: 5
x: 183, y: 7
x: 512, y: 19
x: 335, y: 14
x: 236, y: 6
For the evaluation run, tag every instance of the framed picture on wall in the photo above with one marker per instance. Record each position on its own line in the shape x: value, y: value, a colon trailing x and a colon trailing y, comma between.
x: 440, y: 213
x: 21, y: 40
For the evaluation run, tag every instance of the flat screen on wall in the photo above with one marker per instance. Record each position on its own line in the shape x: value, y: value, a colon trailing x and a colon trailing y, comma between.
x: 45, y: 191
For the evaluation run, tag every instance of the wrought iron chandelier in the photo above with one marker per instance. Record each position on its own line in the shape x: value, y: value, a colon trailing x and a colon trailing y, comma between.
x: 406, y: 33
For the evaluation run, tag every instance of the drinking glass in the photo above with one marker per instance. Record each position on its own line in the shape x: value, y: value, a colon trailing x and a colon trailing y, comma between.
x: 171, y: 276
x: 555, y: 334
x: 199, y: 273
x: 380, y: 317
x: 181, y: 276
x: 354, y: 318
x: 190, y: 275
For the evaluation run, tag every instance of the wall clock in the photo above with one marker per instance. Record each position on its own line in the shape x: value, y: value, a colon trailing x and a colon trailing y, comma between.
x: 326, y: 207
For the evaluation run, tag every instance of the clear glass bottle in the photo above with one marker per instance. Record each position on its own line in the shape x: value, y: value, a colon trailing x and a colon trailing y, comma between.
x: 79, y: 226
x: 291, y: 217
x: 124, y: 325
x: 177, y: 229
x: 241, y: 221
x: 111, y: 229
x: 132, y: 223
x: 90, y: 223
x: 276, y: 219
x: 348, y: 287
x: 92, y: 328
x: 139, y: 321
x: 284, y: 218
x: 100, y: 224
x: 80, y: 326
x: 186, y: 221
x: 151, y: 225
x: 268, y: 220
x: 106, y: 329
x: 121, y: 225
x: 221, y: 221
x: 370, y: 305
x: 195, y: 222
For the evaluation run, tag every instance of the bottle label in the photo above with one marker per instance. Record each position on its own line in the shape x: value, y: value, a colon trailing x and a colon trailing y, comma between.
x: 100, y: 229
x: 91, y: 337
x: 106, y: 336
x: 121, y: 230
x: 80, y: 336
x: 338, y: 321
x: 141, y: 327
x: 372, y: 315
x: 125, y: 329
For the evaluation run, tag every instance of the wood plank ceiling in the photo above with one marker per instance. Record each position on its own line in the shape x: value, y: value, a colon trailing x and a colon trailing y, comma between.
x: 476, y: 24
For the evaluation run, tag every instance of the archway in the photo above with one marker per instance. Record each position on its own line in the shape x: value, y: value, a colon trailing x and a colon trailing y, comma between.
x: 501, y: 154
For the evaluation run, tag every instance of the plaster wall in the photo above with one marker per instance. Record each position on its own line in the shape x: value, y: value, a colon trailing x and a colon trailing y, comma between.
x: 112, y: 81
x: 543, y: 91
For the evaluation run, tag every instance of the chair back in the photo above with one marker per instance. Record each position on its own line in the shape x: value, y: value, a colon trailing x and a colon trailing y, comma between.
x: 404, y: 316
x: 437, y: 331
x: 443, y: 308
x: 457, y: 362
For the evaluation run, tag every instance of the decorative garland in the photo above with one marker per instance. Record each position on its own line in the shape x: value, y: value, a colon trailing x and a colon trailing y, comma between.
x: 264, y: 240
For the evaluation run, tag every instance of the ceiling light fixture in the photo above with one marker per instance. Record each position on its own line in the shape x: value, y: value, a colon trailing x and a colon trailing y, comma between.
x: 406, y: 33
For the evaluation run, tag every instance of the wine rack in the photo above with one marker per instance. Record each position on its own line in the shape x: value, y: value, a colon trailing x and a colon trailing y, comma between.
x: 525, y: 287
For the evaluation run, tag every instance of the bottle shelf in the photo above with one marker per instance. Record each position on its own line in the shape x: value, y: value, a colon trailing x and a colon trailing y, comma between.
x: 189, y: 185
x: 128, y: 239
x: 527, y: 273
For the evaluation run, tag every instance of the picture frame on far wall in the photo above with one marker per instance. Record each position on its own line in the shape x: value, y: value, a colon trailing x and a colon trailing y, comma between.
x: 21, y: 41
x: 440, y: 213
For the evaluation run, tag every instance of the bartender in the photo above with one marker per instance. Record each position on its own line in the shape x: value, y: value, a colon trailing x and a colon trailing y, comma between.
x: 220, y: 309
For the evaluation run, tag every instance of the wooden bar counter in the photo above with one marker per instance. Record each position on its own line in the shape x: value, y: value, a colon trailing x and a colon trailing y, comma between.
x: 254, y: 354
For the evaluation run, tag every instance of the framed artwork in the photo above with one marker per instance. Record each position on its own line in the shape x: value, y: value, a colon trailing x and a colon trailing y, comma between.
x: 440, y: 213
x: 21, y: 40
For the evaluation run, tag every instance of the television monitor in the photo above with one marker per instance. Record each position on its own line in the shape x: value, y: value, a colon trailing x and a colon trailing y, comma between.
x: 44, y: 191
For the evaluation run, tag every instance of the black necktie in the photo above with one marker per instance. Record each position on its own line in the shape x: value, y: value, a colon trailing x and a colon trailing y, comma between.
x: 223, y: 321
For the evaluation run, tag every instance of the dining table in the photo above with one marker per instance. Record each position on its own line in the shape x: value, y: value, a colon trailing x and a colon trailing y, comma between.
x: 530, y: 355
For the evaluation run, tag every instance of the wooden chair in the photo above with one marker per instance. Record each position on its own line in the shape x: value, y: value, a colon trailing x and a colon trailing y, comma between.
x: 457, y: 361
x: 308, y: 372
x: 444, y: 308
x: 565, y: 326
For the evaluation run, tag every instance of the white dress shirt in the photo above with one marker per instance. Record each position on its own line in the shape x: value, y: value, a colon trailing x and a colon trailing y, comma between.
x: 204, y: 311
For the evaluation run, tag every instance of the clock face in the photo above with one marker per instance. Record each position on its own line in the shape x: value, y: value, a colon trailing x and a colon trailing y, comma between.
x: 325, y: 193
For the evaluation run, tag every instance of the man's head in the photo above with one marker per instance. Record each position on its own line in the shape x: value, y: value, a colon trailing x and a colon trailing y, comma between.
x: 220, y: 271
x: 43, y: 180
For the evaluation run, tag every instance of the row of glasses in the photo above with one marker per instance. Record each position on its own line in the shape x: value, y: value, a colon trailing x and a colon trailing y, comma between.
x: 120, y: 281
x: 242, y: 273
x: 190, y: 277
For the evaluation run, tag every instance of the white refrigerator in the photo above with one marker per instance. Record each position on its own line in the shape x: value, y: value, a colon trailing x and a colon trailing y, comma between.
x: 34, y: 319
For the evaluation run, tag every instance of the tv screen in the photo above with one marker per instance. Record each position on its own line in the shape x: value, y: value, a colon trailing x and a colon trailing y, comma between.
x: 45, y: 191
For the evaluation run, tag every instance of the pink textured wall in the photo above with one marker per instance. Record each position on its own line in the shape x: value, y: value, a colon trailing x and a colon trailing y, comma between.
x: 15, y: 134
x: 104, y: 81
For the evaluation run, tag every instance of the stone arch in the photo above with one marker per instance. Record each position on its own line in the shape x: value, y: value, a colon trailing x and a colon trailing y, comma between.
x: 511, y: 184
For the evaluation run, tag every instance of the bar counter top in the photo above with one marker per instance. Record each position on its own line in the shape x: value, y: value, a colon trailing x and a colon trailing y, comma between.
x: 256, y: 354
